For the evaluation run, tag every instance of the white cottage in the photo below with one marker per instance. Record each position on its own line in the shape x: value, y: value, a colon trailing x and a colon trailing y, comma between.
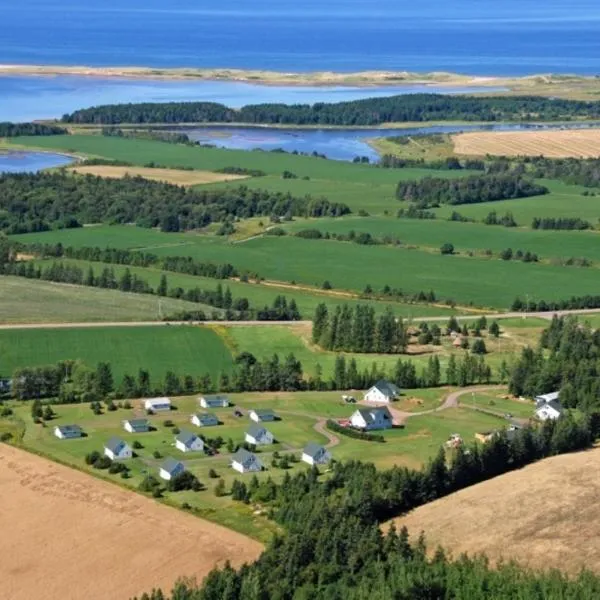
x: 204, y: 420
x: 383, y: 392
x: 170, y: 468
x: 258, y: 435
x: 260, y: 415
x: 157, y: 404
x: 244, y: 462
x: 214, y: 401
x: 68, y: 432
x: 117, y: 449
x: 549, y: 410
x: 372, y: 418
x: 314, y: 454
x: 189, y: 442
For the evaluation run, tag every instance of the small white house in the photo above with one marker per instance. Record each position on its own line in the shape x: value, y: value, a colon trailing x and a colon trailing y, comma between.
x: 117, y: 449
x: 214, y: 401
x: 244, y: 462
x: 67, y: 432
x: 544, y: 398
x: 170, y: 468
x: 314, y: 454
x: 372, y: 418
x: 136, y: 425
x: 259, y: 436
x: 383, y: 392
x: 204, y: 420
x: 262, y: 414
x: 157, y: 404
x: 189, y: 442
x: 549, y: 410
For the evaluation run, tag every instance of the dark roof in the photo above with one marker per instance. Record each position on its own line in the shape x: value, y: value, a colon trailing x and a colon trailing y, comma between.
x: 547, y: 397
x: 138, y: 422
x: 256, y: 430
x: 264, y: 412
x: 170, y: 465
x: 115, y: 445
x: 214, y: 397
x: 368, y: 413
x: 387, y: 388
x: 205, y: 416
x: 69, y: 429
x: 243, y: 457
x: 313, y: 449
x: 555, y: 404
x: 186, y: 438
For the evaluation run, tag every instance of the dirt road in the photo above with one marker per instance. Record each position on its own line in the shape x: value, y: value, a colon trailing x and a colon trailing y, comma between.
x: 65, y: 534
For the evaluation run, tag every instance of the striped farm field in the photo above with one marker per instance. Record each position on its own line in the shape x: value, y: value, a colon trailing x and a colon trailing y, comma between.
x: 578, y: 143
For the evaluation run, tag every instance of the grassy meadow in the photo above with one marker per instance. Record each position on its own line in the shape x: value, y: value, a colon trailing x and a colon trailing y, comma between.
x: 182, y: 349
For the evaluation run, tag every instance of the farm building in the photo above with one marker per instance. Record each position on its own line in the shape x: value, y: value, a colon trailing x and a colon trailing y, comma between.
x: 383, y: 392
x: 117, y: 449
x: 68, y: 432
x: 549, y: 410
x: 315, y: 454
x: 170, y: 468
x: 189, y: 442
x: 485, y: 436
x: 214, y: 401
x: 372, y: 418
x: 136, y: 425
x: 544, y: 398
x: 258, y: 436
x: 261, y: 415
x: 244, y: 462
x: 157, y: 404
x: 204, y: 420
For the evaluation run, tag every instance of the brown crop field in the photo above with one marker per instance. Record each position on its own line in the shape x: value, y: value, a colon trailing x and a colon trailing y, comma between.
x: 68, y: 535
x: 544, y: 516
x: 175, y: 176
x: 578, y: 143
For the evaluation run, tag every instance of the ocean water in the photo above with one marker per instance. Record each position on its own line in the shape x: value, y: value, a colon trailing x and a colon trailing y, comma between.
x: 32, y: 97
x: 511, y: 37
x: 30, y: 162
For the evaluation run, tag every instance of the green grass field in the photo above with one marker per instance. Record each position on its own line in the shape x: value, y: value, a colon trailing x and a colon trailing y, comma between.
x: 141, y: 152
x: 465, y: 236
x: 183, y: 349
x: 33, y: 301
x: 498, y: 403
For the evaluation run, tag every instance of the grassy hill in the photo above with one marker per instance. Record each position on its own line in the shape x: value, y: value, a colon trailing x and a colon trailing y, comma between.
x: 543, y: 516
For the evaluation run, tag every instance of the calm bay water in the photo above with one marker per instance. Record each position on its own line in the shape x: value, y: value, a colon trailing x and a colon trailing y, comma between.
x: 30, y: 162
x: 511, y: 37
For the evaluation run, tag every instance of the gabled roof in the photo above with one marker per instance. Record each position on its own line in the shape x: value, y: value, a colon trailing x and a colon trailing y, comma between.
x: 370, y: 414
x: 256, y: 430
x: 170, y: 465
x: 312, y: 449
x: 547, y: 397
x: 264, y: 412
x: 206, y: 416
x: 186, y: 438
x: 243, y: 457
x: 387, y: 388
x: 163, y: 400
x: 555, y: 404
x: 138, y: 422
x: 115, y: 445
x: 64, y: 429
x: 215, y: 397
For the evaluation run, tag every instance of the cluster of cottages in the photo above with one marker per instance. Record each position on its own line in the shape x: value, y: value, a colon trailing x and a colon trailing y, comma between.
x: 242, y: 461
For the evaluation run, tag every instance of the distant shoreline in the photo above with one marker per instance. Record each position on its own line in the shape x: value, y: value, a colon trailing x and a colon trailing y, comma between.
x: 321, y: 78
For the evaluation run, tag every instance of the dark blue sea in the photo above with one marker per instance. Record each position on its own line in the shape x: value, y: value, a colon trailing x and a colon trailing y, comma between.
x: 506, y: 37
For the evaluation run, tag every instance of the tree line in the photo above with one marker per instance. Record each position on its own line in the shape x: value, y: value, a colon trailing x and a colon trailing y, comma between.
x: 17, y: 129
x: 41, y: 201
x: 369, y: 111
x: 566, y: 359
x: 568, y: 223
x: 434, y: 191
x: 334, y: 547
x: 572, y: 303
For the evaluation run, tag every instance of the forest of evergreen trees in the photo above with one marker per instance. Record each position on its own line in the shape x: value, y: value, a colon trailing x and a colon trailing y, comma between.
x: 369, y: 111
x: 38, y: 202
x: 567, y: 359
x: 566, y: 223
x: 16, y: 129
x: 572, y: 303
x: 434, y: 191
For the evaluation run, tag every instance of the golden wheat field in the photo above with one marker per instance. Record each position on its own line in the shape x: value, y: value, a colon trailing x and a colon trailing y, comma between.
x: 175, y: 176
x: 65, y: 534
x: 544, y: 516
x: 578, y: 143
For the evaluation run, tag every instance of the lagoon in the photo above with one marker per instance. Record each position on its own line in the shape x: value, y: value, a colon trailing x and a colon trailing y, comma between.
x: 31, y: 162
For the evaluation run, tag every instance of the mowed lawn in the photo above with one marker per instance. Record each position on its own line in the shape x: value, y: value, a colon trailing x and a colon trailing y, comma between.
x: 182, y: 349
